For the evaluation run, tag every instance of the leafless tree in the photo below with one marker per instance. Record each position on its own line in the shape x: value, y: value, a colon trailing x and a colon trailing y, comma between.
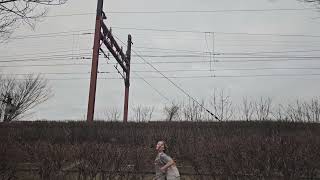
x: 142, y: 114
x: 304, y: 111
x: 172, y: 112
x: 193, y: 111
x: 247, y: 109
x: 315, y: 109
x: 311, y: 110
x: 263, y: 109
x: 15, y: 12
x: 113, y: 114
x: 21, y: 95
x: 295, y: 112
x: 279, y: 113
x: 222, y: 105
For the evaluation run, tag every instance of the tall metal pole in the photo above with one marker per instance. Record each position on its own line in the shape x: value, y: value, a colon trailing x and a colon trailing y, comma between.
x: 127, y: 81
x: 95, y: 60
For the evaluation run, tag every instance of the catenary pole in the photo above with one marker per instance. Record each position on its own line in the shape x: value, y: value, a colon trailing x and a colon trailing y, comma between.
x: 95, y: 61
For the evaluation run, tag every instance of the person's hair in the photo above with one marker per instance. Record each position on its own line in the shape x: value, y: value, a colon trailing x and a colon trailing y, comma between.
x: 165, y: 146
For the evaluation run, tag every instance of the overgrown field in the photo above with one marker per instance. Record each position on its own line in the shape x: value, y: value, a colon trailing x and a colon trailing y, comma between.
x: 202, y: 150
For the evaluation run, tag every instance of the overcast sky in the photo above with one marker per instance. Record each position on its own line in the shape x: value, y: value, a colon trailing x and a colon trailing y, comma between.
x: 285, y: 43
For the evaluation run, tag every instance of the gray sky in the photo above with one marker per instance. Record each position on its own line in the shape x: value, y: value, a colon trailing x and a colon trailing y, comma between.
x: 261, y: 32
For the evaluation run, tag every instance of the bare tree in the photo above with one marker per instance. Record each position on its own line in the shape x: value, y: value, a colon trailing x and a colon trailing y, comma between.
x: 315, y: 109
x: 263, y: 108
x: 15, y: 12
x: 304, y: 111
x: 279, y: 113
x: 247, y: 109
x: 22, y: 95
x: 172, y: 112
x: 295, y: 112
x: 222, y: 105
x: 311, y: 110
x: 113, y: 114
x: 142, y: 114
x: 193, y: 111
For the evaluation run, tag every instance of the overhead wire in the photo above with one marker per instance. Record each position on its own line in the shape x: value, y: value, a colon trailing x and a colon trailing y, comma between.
x: 201, y: 32
x: 186, y: 11
x: 48, y: 52
x: 298, y: 59
x: 90, y: 31
x: 168, y: 71
x: 196, y: 77
x: 221, y: 55
x: 54, y: 34
x: 177, y: 86
x: 155, y: 89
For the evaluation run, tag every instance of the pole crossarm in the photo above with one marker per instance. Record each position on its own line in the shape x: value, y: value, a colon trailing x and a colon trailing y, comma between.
x: 107, y: 35
x: 115, y: 54
x: 123, y: 60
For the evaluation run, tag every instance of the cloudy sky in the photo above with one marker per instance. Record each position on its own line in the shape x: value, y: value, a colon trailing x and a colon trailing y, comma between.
x: 261, y: 49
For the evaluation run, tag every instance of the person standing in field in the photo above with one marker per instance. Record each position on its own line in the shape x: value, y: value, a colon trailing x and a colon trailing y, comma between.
x: 165, y: 167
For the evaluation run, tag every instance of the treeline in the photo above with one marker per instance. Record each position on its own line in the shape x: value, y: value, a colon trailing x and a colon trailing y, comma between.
x: 110, y: 149
x: 222, y: 106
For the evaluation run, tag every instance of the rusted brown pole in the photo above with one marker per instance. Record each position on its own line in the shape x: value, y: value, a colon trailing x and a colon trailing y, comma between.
x: 127, y: 81
x: 95, y: 61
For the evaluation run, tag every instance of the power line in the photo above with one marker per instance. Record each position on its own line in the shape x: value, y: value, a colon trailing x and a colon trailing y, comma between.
x: 237, y: 69
x: 227, y: 53
x: 209, y: 11
x: 167, y: 71
x: 186, y: 11
x: 55, y: 34
x: 45, y: 73
x: 229, y: 57
x: 234, y: 33
x: 234, y: 76
x: 267, y: 52
x: 44, y: 65
x: 67, y: 15
x: 49, y: 52
x: 90, y: 31
x: 140, y: 77
x: 192, y: 77
x: 51, y: 58
x: 220, y: 56
x: 181, y: 89
x: 166, y: 62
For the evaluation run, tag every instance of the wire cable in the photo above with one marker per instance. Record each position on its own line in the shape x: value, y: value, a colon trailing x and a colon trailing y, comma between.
x: 186, y: 11
x: 163, y: 96
x: 230, y: 33
x: 177, y: 86
x: 193, y: 77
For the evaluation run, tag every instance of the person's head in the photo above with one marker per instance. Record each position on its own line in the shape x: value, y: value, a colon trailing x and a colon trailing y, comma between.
x: 161, y: 146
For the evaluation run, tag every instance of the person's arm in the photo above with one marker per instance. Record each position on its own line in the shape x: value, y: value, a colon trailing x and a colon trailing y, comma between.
x: 167, y: 160
x: 166, y: 166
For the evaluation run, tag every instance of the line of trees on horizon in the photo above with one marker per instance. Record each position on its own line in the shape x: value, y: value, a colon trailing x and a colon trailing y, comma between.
x: 19, y: 96
x: 221, y: 105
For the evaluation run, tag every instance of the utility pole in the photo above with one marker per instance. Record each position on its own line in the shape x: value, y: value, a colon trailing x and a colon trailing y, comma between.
x: 95, y: 61
x: 127, y: 82
x: 123, y: 60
